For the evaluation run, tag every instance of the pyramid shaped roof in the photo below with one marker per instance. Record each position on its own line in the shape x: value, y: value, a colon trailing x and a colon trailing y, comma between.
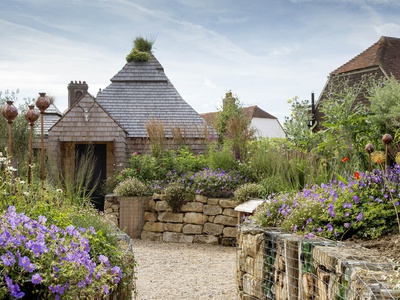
x: 385, y: 53
x: 140, y: 93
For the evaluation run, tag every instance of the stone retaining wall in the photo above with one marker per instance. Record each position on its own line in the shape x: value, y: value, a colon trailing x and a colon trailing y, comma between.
x: 204, y: 220
x: 276, y: 265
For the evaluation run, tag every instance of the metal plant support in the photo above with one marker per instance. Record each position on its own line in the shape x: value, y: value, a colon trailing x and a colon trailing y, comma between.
x: 9, y: 112
x: 42, y: 103
x: 31, y: 116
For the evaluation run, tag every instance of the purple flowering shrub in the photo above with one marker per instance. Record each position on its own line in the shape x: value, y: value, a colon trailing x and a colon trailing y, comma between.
x: 366, y: 207
x: 43, y: 261
x: 215, y: 183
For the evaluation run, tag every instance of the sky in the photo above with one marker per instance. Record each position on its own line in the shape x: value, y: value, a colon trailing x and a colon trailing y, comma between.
x: 264, y: 51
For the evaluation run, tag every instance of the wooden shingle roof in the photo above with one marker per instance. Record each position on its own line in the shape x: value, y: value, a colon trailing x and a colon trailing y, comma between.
x: 385, y: 54
x: 140, y: 93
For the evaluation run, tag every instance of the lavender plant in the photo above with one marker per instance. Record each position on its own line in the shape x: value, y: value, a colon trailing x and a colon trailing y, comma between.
x: 40, y: 261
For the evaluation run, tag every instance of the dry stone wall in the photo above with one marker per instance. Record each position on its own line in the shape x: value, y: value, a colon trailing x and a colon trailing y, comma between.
x: 204, y: 220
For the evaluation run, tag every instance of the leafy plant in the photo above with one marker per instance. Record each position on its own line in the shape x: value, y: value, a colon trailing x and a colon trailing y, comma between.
x: 131, y: 187
x: 249, y: 190
x: 215, y: 183
x: 41, y: 261
x: 175, y: 195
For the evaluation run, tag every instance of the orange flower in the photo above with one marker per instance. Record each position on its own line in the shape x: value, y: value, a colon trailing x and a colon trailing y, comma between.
x: 357, y: 175
x: 345, y: 159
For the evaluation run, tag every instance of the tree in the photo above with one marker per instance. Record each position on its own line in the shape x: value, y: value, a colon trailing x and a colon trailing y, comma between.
x: 296, y: 126
x: 234, y: 126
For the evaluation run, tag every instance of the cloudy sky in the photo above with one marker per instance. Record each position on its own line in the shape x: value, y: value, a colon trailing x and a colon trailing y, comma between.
x: 264, y: 51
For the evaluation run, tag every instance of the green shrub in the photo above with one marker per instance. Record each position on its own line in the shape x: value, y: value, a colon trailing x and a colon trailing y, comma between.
x: 248, y: 191
x: 143, y: 44
x: 131, y: 187
x: 138, y: 56
x: 175, y: 195
x: 215, y: 183
x: 222, y: 157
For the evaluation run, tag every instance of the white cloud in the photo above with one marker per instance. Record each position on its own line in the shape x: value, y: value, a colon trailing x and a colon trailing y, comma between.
x: 387, y: 29
x: 208, y: 83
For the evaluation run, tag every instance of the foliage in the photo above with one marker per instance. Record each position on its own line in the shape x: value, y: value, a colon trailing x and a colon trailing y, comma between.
x: 143, y: 44
x: 366, y: 207
x: 175, y: 195
x: 345, y: 131
x: 384, y: 109
x: 232, y: 124
x: 297, y: 127
x: 131, y: 187
x: 141, y: 50
x: 248, y: 191
x: 42, y: 200
x: 222, y: 157
x: 42, y: 261
x: 215, y: 183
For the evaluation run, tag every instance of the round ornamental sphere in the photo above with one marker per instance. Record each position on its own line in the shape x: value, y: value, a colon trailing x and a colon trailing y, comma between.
x: 42, y: 102
x: 369, y: 148
x: 9, y: 111
x: 387, y: 139
x: 31, y: 114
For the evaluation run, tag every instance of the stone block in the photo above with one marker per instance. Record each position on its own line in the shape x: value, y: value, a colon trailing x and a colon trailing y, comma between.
x: 150, y: 205
x: 170, y: 217
x: 151, y: 236
x: 173, y: 237
x: 229, y: 232
x: 192, y: 229
x: 249, y: 265
x: 174, y: 227
x: 212, y: 210
x: 150, y: 216
x: 205, y: 239
x: 211, y: 219
x: 225, y: 203
x: 230, y: 212
x: 153, y: 226
x: 228, y: 242
x: 195, y: 218
x: 162, y: 206
x: 113, y: 218
x: 225, y: 220
x: 115, y: 207
x: 200, y: 198
x: 213, y: 229
x: 192, y: 207
x: 213, y: 201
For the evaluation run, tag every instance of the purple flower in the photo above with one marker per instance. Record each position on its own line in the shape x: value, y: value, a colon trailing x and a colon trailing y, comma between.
x: 356, y: 199
x: 346, y: 225
x: 105, y: 288
x: 36, y: 278
x: 26, y: 264
x: 359, y: 217
x: 14, y: 288
x: 329, y: 226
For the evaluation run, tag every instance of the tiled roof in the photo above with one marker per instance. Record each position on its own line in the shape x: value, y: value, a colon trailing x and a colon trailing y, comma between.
x: 140, y: 93
x: 385, y: 53
x: 250, y: 112
x: 51, y: 115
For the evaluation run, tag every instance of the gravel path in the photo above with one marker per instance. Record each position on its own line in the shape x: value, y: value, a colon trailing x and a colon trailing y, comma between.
x: 180, y: 271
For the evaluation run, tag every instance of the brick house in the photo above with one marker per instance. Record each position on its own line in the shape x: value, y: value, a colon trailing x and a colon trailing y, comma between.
x: 114, y: 122
x: 381, y: 60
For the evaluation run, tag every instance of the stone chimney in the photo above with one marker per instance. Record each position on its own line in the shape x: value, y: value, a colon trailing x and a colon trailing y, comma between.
x: 76, y: 90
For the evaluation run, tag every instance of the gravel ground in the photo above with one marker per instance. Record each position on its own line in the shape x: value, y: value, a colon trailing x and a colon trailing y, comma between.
x: 184, y: 271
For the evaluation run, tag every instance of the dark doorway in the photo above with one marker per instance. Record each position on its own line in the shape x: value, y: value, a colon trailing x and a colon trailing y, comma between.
x: 97, y: 154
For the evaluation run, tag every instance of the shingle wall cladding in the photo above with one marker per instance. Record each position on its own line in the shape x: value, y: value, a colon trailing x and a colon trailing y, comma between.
x: 99, y: 128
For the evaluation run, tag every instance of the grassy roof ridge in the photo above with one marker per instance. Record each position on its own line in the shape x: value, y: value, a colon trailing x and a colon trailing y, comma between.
x: 141, y: 50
